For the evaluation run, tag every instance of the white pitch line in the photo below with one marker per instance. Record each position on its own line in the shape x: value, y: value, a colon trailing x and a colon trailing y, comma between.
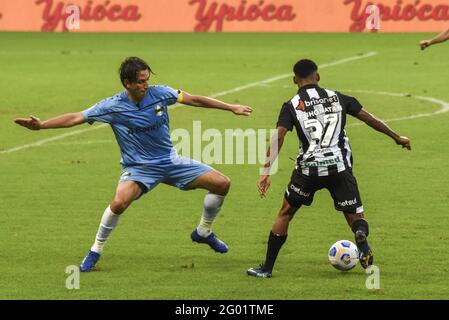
x: 84, y: 142
x: 215, y: 95
x: 287, y: 75
x: 55, y: 138
x: 444, y: 108
x: 444, y: 105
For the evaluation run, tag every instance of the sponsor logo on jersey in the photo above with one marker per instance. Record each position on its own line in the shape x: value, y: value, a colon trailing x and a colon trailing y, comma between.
x: 322, y: 150
x: 159, y: 111
x: 313, y: 102
x: 323, y: 163
x: 155, y: 126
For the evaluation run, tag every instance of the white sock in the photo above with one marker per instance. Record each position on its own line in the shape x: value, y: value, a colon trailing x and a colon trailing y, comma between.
x: 108, y: 222
x: 212, y: 205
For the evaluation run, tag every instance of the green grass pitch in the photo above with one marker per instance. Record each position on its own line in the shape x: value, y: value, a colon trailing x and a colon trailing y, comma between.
x: 52, y: 195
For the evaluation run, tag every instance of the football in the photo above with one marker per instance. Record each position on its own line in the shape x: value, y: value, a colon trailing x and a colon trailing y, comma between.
x: 343, y: 255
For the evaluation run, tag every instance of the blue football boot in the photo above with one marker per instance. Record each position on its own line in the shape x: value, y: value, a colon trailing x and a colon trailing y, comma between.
x: 89, y: 261
x: 212, y: 240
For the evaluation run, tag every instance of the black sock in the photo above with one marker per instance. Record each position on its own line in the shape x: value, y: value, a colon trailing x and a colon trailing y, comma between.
x: 362, y: 225
x: 275, y: 243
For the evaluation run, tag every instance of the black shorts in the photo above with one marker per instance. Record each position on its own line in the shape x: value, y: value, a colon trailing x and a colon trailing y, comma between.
x: 342, y: 187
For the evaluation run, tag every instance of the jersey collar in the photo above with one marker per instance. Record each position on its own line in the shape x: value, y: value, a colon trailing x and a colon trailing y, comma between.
x: 124, y: 97
x: 308, y: 87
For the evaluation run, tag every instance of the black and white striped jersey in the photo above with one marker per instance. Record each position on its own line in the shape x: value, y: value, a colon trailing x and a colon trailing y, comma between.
x: 319, y: 116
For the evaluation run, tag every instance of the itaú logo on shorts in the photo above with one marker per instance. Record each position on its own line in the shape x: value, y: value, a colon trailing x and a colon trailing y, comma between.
x: 125, y: 175
x: 299, y: 191
x: 347, y: 203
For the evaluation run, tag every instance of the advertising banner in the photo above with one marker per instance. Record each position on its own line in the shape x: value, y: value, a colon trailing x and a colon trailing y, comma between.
x: 224, y: 15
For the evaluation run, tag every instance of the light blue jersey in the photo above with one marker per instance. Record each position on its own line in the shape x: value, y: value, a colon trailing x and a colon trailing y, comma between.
x: 142, y: 131
x: 143, y: 134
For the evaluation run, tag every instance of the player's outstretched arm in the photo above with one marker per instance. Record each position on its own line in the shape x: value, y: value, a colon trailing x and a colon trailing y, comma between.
x: 443, y: 36
x: 64, y: 121
x: 381, y: 126
x: 277, y: 140
x: 206, y: 102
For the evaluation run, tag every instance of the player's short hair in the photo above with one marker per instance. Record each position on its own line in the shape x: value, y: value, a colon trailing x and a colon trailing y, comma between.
x: 130, y: 67
x: 305, y: 68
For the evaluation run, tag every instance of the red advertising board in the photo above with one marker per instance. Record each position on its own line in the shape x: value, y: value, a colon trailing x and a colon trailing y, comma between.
x: 223, y: 15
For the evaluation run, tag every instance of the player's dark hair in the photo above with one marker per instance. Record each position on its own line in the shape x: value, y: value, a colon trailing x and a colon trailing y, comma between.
x: 305, y: 68
x: 130, y: 67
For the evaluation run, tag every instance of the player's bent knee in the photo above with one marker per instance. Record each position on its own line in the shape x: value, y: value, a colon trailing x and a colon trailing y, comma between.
x: 222, y: 186
x: 226, y: 184
x: 118, y: 206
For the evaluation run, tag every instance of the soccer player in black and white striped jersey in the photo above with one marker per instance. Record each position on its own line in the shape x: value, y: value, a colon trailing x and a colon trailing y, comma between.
x: 324, y: 161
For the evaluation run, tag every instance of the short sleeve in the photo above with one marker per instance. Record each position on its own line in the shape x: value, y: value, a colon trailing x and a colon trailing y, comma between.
x: 101, y: 112
x: 168, y: 96
x: 285, y: 118
x: 353, y: 106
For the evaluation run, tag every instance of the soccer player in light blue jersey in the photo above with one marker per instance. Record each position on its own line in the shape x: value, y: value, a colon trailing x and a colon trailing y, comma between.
x: 139, y: 119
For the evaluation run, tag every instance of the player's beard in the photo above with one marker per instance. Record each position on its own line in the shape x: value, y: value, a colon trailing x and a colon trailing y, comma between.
x: 142, y: 93
x: 139, y: 94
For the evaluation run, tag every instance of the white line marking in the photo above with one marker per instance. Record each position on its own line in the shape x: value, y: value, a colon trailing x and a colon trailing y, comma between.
x: 444, y: 108
x: 83, y: 142
x: 215, y: 95
x: 55, y: 138
x: 287, y: 75
x: 444, y: 105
